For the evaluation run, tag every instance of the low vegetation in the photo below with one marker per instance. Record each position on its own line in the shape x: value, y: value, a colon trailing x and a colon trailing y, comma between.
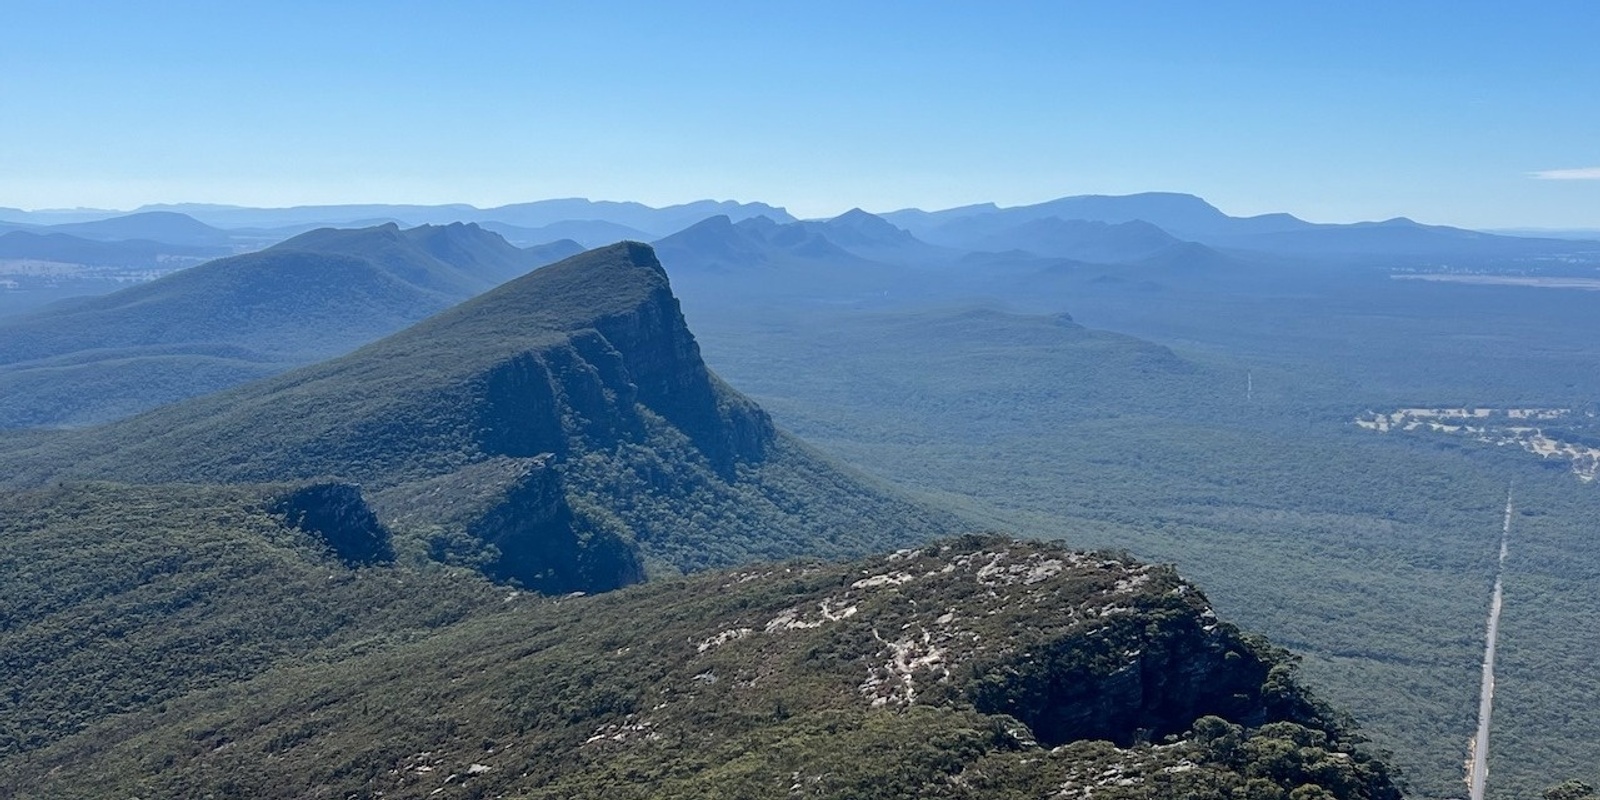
x: 963, y: 669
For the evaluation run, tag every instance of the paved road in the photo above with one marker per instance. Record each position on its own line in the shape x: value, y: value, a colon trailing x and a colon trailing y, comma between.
x: 1478, y: 768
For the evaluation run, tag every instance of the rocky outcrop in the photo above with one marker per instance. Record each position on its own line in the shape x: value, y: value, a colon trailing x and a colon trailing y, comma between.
x: 587, y: 390
x: 338, y: 516
x: 1134, y: 677
x: 545, y: 546
x: 518, y: 527
x: 588, y: 361
x: 1077, y: 646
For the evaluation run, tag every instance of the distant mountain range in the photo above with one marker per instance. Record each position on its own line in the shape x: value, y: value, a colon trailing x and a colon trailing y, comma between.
x: 747, y: 250
x: 50, y: 255
x: 327, y: 291
x: 313, y: 579
x: 1190, y: 218
x: 743, y: 249
x: 1058, y: 228
x: 159, y: 226
x: 637, y: 216
x: 720, y: 244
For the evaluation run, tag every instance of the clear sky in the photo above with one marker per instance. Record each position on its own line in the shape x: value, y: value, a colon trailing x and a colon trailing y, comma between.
x: 1480, y: 114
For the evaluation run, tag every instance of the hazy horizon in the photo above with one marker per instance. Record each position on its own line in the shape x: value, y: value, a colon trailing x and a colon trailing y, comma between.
x: 1521, y: 230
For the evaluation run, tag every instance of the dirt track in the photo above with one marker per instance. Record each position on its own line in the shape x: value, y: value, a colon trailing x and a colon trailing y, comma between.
x: 1478, y: 767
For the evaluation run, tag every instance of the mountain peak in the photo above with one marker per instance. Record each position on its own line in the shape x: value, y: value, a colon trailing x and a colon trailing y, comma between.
x: 593, y: 337
x: 570, y: 406
x: 858, y: 219
x: 160, y: 226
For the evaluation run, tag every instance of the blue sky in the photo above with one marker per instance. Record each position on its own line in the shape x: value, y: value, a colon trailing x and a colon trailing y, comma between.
x: 1445, y: 112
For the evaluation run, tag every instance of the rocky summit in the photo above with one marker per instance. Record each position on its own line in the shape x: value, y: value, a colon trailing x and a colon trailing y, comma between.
x: 976, y: 667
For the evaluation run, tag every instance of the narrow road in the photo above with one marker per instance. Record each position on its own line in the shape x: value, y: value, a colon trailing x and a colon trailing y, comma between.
x: 1478, y: 767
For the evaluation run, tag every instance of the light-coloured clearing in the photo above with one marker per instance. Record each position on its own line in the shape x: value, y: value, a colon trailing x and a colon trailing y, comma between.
x: 1551, y: 282
x: 1499, y: 427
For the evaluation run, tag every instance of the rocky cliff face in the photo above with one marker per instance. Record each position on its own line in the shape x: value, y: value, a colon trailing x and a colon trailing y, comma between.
x: 544, y: 545
x: 337, y: 515
x: 664, y: 364
x: 588, y: 390
x: 518, y: 526
x: 1075, y: 645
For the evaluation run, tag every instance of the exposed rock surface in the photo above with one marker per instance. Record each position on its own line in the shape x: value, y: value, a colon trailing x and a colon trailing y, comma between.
x: 521, y: 527
x: 1075, y: 645
x: 337, y: 514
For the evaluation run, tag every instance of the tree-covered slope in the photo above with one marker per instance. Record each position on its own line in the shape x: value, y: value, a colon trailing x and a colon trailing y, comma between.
x: 979, y: 667
x: 231, y: 320
x: 560, y: 431
x: 116, y: 598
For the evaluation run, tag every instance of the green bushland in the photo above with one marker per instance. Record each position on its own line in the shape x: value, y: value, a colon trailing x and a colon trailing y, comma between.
x: 116, y: 598
x: 861, y: 679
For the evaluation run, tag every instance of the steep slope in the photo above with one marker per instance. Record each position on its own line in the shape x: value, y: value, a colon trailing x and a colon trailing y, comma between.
x: 234, y: 319
x: 975, y: 668
x: 564, y: 424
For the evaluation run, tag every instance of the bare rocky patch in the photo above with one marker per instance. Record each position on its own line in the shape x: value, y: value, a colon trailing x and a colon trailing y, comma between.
x: 1550, y: 433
